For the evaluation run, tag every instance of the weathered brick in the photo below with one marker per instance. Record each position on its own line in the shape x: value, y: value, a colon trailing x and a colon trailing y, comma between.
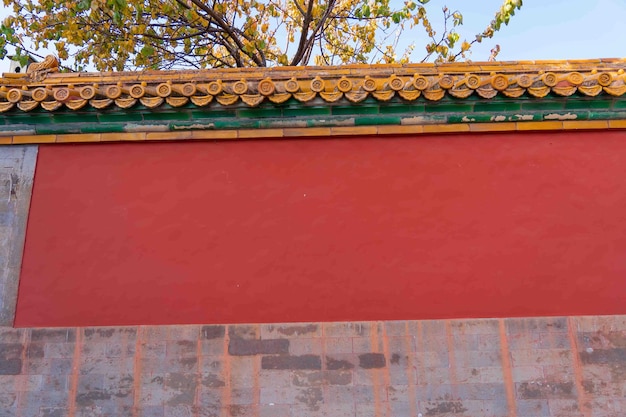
x: 183, y: 348
x: 153, y: 349
x: 291, y: 362
x: 212, y: 381
x: 310, y: 397
x: 545, y: 389
x: 109, y: 334
x: 120, y: 350
x: 243, y: 347
x: 178, y: 411
x: 348, y: 329
x: 542, y: 357
x: 336, y: 362
x: 272, y: 378
x: 401, y: 409
x: 318, y: 378
x: 93, y: 350
x: 10, y: 335
x: 179, y: 388
x: 21, y: 383
x: 480, y: 391
x: 152, y: 411
x: 54, y: 383
x: 212, y: 347
x: 431, y: 359
x: 58, y: 350
x: 367, y: 345
x: 477, y: 359
x: 372, y: 360
x: 302, y: 346
x: 449, y: 406
x: 54, y: 411
x: 277, y: 395
x: 11, y: 358
x: 433, y: 375
x: 542, y: 324
x: 338, y: 345
x: 604, y: 356
x: 54, y: 366
x: 396, y: 328
x: 213, y: 332
x: 478, y: 326
x: 525, y: 373
x: 243, y: 371
x: 184, y: 332
x: 273, y: 331
x: 274, y: 410
x: 568, y: 408
x: 406, y: 344
x: 35, y: 351
x: 53, y: 335
x: 243, y: 331
x: 372, y: 409
x: 157, y: 365
x: 106, y: 365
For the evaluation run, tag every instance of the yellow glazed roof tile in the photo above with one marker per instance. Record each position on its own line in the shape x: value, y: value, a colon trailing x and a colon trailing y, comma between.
x: 252, y: 86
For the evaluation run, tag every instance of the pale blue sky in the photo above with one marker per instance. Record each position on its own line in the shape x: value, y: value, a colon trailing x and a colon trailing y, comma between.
x: 542, y: 29
x: 551, y: 29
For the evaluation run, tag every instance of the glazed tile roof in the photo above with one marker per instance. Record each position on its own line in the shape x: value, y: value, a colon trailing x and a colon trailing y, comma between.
x: 353, y: 83
x: 43, y: 101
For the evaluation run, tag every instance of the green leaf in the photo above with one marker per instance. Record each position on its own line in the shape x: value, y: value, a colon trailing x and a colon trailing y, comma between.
x: 147, y: 51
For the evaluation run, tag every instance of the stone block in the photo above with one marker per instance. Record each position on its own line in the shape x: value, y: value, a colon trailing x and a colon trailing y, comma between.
x: 11, y: 358
x: 291, y: 331
x: 291, y: 362
x: 213, y: 332
x: 243, y: 347
x: 372, y: 360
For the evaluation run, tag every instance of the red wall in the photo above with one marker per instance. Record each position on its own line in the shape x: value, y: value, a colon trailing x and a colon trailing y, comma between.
x: 329, y: 229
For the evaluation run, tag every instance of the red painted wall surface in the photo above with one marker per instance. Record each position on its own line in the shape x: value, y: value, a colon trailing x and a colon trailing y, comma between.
x: 329, y: 229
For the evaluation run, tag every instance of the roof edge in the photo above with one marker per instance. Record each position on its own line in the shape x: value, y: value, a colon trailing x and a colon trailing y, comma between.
x: 53, y: 91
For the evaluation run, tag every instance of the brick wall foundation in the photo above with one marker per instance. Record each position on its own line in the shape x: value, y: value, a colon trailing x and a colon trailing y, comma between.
x: 543, y: 367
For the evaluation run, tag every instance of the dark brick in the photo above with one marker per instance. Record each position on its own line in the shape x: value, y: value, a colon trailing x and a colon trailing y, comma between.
x: 213, y: 381
x: 243, y: 347
x: 54, y: 412
x: 297, y: 330
x: 241, y: 331
x: 337, y: 364
x: 338, y: 377
x: 311, y: 397
x: 35, y: 351
x: 89, y: 398
x: 10, y: 358
x: 312, y: 362
x: 372, y: 360
x: 10, y: 366
x: 111, y: 334
x: 53, y: 335
x: 318, y: 378
x: 445, y: 408
x: 534, y: 390
x: 604, y: 356
x: 213, y: 332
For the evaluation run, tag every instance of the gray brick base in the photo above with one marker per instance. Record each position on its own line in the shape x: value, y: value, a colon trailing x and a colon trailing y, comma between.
x: 544, y: 367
